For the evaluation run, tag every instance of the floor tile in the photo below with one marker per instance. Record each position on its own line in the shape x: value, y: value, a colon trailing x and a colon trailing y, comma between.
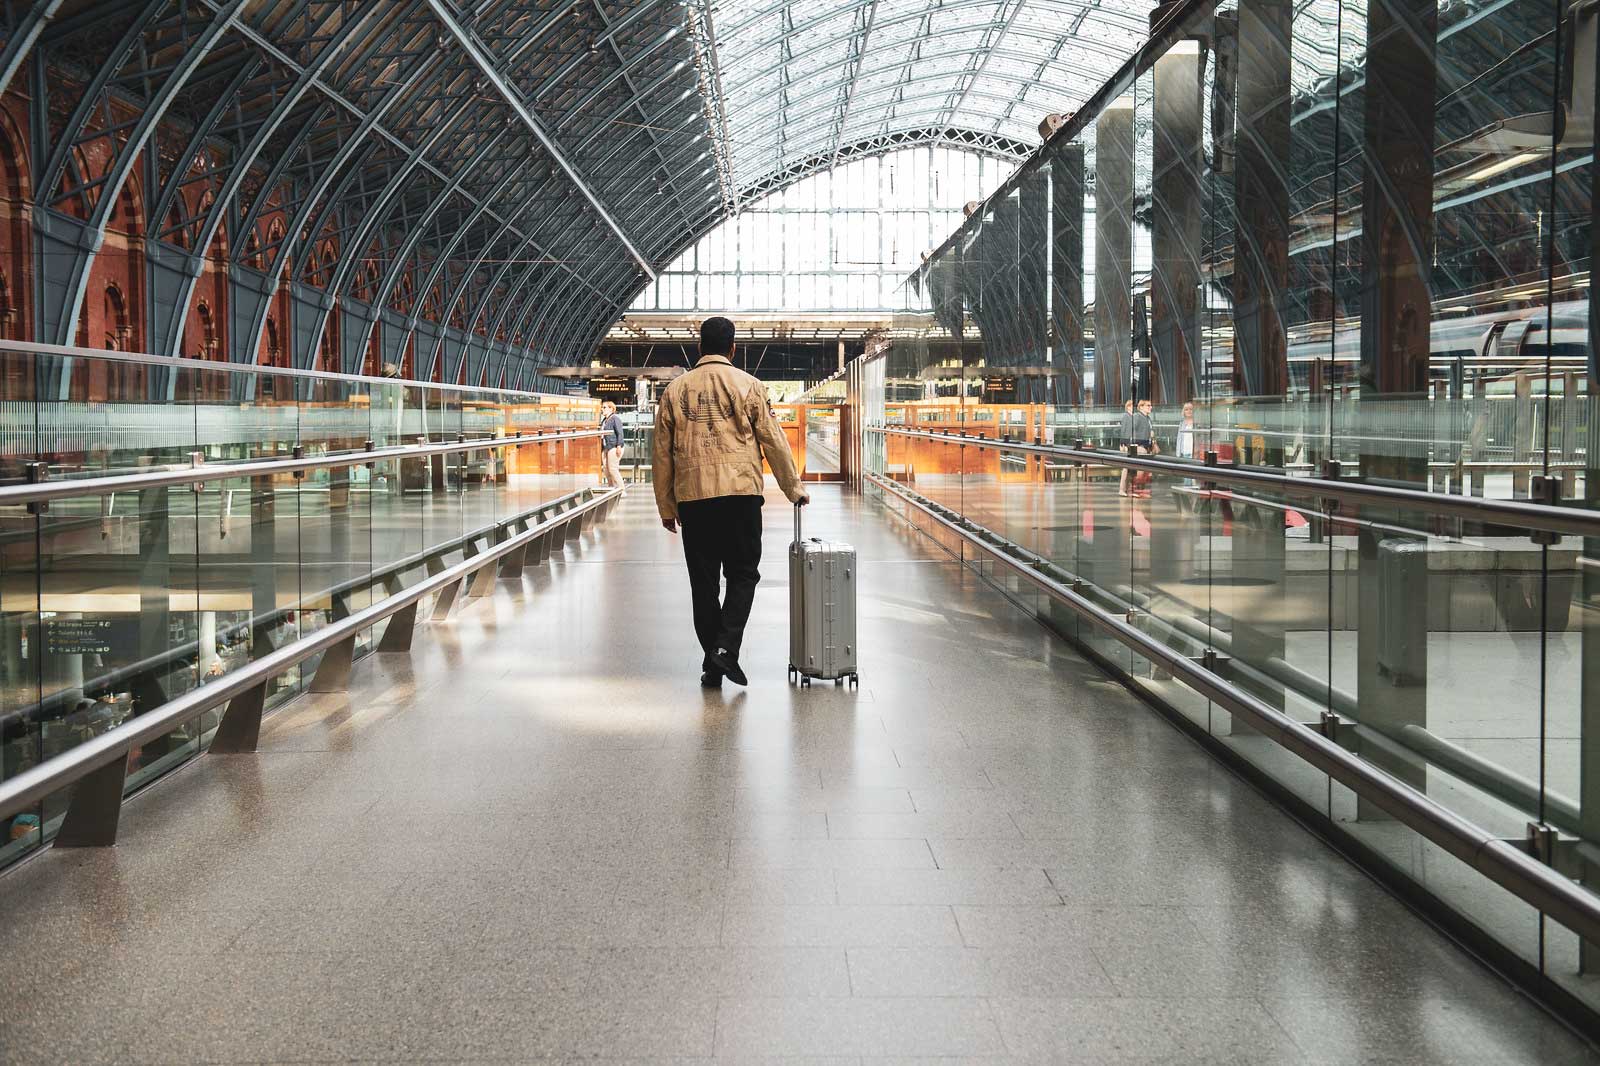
x: 537, y: 839
x: 855, y: 1027
x: 840, y: 926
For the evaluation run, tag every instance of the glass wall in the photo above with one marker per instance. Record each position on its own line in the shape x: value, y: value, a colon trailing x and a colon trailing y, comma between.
x: 113, y: 603
x: 1324, y: 240
x: 839, y: 240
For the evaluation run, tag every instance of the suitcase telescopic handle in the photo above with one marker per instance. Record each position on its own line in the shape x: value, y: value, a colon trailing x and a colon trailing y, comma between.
x: 797, y: 523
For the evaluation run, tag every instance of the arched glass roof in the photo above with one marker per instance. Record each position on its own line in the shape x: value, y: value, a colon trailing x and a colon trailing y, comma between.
x: 809, y: 80
x: 516, y: 170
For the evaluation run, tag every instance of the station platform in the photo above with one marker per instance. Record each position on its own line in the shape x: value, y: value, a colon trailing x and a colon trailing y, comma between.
x: 538, y: 839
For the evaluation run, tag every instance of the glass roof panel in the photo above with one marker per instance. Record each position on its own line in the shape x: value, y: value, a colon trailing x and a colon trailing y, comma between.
x: 807, y: 78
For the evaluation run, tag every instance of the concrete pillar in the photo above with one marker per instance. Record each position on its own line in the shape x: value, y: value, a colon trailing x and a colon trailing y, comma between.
x: 1396, y: 311
x: 1113, y: 251
x: 1261, y: 196
x: 1066, y: 269
x: 207, y: 658
x: 1175, y: 233
x: 1033, y: 280
x: 1261, y: 360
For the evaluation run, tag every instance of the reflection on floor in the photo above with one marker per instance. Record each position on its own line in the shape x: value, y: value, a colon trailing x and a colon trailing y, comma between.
x: 538, y: 839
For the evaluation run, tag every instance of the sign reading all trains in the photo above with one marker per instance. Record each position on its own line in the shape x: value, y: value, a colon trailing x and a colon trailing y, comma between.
x: 618, y: 390
x: 88, y: 636
x: 999, y: 389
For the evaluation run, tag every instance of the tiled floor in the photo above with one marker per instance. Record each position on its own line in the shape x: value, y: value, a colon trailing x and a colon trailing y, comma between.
x: 538, y: 839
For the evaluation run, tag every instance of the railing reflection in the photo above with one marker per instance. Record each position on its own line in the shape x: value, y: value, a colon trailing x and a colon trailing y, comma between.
x: 208, y: 515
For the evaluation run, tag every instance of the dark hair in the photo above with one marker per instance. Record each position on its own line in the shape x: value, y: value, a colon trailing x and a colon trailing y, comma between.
x: 716, y: 336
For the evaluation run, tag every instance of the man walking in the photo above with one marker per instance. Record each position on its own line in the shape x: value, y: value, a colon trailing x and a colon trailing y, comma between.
x: 713, y: 427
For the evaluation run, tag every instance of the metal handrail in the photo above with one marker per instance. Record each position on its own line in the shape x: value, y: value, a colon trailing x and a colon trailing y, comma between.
x: 1501, y: 862
x: 190, y: 650
x: 183, y: 363
x: 1525, y: 513
x: 45, y: 491
x: 33, y: 785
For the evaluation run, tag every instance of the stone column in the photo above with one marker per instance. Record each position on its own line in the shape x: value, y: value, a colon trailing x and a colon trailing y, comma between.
x: 1175, y: 233
x: 1113, y: 251
x: 1066, y: 269
x: 1396, y: 312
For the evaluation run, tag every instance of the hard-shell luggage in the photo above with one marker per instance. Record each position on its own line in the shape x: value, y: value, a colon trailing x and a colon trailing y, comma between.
x: 822, y: 610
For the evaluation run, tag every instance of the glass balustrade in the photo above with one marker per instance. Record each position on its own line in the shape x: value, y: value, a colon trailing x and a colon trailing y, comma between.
x: 112, y: 603
x: 1334, y: 239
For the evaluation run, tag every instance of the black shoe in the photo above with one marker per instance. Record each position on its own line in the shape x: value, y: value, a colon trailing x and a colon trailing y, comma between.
x: 729, y: 666
x: 710, y: 679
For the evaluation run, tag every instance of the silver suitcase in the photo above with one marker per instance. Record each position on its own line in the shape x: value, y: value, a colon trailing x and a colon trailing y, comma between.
x: 822, y: 610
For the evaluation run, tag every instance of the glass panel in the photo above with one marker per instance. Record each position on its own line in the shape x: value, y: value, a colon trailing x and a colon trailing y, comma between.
x: 822, y: 440
x: 1319, y: 240
x: 145, y: 594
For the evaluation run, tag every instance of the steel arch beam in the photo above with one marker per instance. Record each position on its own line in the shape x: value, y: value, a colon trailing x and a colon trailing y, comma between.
x: 486, y: 66
x: 131, y: 150
x: 240, y: 171
x: 24, y: 38
x: 353, y: 250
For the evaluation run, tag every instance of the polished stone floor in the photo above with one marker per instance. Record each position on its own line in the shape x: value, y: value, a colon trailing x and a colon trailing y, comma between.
x: 537, y: 839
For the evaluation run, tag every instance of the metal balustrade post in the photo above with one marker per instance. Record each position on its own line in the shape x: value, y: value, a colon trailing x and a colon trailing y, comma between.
x: 511, y: 564
x: 483, y: 581
x: 95, y: 809
x: 397, y: 635
x: 333, y: 672
x: 240, y: 728
x: 444, y: 601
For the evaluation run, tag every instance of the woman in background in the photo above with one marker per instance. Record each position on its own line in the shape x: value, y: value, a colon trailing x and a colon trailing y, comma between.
x: 611, y: 443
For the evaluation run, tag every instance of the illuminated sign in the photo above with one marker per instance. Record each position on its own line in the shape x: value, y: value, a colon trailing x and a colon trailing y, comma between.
x: 616, y: 389
x: 89, y: 636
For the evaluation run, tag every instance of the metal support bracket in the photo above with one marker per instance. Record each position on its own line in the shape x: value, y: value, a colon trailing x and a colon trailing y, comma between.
x: 482, y: 581
x: 95, y: 808
x: 333, y: 673
x: 402, y: 626
x: 444, y: 601
x: 240, y: 728
x: 511, y: 565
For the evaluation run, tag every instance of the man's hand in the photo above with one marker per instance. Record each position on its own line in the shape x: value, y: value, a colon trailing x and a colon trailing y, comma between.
x: 803, y: 500
x: 669, y: 524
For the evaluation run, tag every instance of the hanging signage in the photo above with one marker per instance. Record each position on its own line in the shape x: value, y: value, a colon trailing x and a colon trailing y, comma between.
x: 1000, y: 387
x: 617, y: 390
x: 84, y: 636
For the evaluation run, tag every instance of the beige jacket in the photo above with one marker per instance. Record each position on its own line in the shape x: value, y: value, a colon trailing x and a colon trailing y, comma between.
x: 712, y: 428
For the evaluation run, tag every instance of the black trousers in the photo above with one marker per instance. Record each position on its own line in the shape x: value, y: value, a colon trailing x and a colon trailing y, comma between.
x: 722, y: 538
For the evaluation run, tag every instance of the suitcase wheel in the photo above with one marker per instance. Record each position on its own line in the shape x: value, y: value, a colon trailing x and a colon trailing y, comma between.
x: 855, y: 680
x: 805, y: 682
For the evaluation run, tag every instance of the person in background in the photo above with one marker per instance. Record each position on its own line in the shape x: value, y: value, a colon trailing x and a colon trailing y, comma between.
x: 1125, y: 438
x: 713, y: 428
x: 611, y: 443
x: 1185, y: 443
x: 1143, y: 440
x: 1144, y: 431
